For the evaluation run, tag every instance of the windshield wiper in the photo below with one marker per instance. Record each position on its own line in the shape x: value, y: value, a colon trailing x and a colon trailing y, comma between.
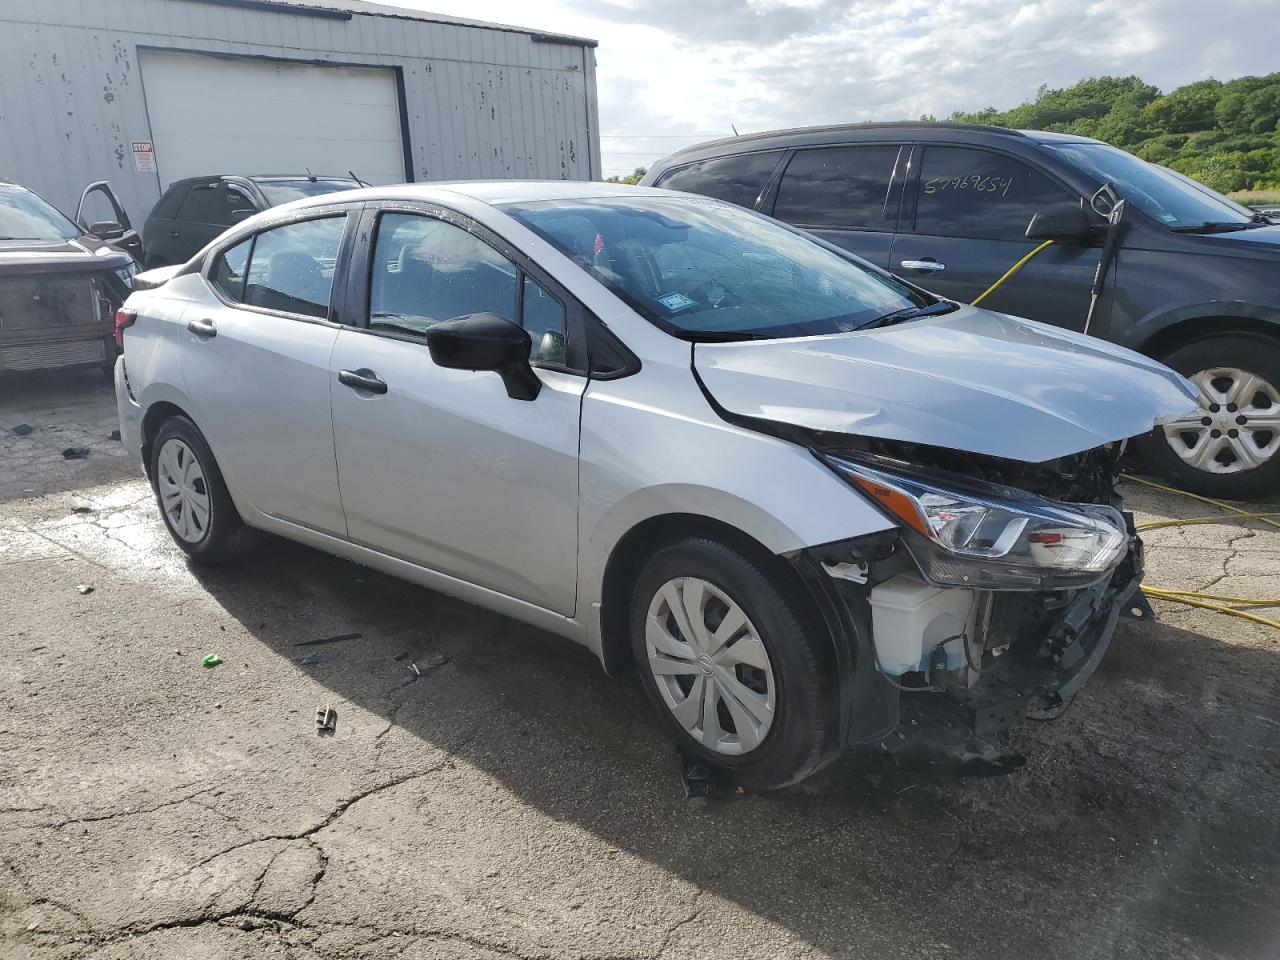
x: 910, y: 313
x: 717, y: 336
x: 1224, y: 226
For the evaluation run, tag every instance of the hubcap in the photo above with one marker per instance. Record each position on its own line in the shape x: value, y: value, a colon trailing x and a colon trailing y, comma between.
x: 711, y: 667
x: 184, y: 495
x: 1237, y: 427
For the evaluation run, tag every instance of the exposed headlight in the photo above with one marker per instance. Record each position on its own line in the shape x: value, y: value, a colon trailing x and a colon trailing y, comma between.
x: 126, y: 274
x: 981, y: 535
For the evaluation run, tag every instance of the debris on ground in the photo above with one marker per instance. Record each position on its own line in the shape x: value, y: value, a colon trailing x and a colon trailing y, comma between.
x: 22, y: 429
x: 84, y: 589
x: 210, y: 660
x: 309, y: 660
x: 75, y: 453
x: 326, y: 720
x: 113, y: 435
x: 335, y: 639
x: 81, y: 508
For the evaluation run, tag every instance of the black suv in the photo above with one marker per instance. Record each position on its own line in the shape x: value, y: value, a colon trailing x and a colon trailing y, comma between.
x: 194, y: 211
x: 1190, y: 277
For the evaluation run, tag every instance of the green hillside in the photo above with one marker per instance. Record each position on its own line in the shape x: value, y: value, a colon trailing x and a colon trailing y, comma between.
x: 1226, y: 135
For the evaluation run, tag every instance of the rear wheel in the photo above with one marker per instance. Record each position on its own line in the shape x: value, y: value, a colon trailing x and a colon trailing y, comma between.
x: 1230, y: 447
x: 192, y: 496
x: 740, y: 675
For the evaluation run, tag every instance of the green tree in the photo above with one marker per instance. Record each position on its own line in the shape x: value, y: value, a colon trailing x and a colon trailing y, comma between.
x: 635, y: 176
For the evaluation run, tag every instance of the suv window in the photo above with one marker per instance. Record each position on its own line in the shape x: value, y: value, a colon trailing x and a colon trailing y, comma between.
x: 227, y: 273
x: 426, y: 270
x: 737, y: 179
x: 966, y: 192
x: 292, y: 267
x: 213, y: 203
x: 167, y: 206
x: 840, y: 187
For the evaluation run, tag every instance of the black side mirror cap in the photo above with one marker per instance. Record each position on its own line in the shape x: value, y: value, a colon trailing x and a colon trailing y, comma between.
x: 1065, y: 223
x: 486, y: 341
x: 106, y: 230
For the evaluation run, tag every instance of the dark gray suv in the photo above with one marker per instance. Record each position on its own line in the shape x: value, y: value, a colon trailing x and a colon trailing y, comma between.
x: 1189, y: 277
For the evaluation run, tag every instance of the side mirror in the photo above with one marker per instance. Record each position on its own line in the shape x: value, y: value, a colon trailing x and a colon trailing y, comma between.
x: 1065, y: 223
x: 244, y: 213
x: 485, y: 341
x: 106, y: 230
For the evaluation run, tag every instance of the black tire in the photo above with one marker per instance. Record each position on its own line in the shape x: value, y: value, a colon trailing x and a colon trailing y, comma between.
x: 1257, y: 355
x: 225, y: 536
x: 804, y: 733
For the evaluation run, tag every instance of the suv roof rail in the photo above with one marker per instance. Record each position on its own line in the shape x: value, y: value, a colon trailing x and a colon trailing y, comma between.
x: 847, y: 127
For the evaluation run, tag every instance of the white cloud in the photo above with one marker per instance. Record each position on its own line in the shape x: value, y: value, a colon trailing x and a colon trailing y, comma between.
x: 673, y: 72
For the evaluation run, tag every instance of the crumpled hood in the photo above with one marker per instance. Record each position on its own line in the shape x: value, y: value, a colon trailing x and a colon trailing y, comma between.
x: 80, y: 255
x: 970, y: 380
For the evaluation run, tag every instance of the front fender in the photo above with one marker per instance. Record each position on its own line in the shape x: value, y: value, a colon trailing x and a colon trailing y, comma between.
x: 1162, y: 323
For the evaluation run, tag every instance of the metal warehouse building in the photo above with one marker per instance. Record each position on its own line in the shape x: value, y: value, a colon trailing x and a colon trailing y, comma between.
x: 145, y: 92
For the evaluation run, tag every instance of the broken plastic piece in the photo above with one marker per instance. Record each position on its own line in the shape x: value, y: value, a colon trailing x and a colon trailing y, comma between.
x: 84, y: 589
x: 310, y: 659
x: 75, y: 453
x: 336, y: 639
x: 700, y: 779
x: 326, y: 720
x: 210, y: 660
x: 114, y: 435
x: 22, y: 429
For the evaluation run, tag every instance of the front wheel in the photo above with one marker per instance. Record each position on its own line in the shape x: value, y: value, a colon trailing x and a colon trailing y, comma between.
x: 741, y: 676
x: 1230, y: 447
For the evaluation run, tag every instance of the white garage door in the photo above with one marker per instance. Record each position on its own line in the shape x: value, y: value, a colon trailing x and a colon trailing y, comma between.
x: 247, y: 116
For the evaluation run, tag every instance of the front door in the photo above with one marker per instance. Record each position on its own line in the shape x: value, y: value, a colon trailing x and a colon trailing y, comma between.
x: 441, y: 467
x: 256, y: 365
x: 972, y: 209
x: 847, y: 195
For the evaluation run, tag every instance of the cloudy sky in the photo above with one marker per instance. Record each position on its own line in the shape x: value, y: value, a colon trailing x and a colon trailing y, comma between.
x: 673, y: 72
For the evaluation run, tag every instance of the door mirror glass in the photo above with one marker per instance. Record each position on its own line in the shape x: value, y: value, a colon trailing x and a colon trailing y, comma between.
x: 1065, y: 223
x: 485, y: 341
x: 106, y: 230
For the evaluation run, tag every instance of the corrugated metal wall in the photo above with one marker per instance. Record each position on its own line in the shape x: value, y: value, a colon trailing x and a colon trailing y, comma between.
x: 479, y: 102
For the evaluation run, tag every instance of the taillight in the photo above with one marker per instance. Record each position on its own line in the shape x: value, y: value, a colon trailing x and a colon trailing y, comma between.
x: 124, y: 319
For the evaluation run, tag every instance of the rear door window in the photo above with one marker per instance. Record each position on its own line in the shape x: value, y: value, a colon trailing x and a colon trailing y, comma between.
x: 167, y: 207
x: 840, y: 187
x: 966, y: 192
x: 738, y: 179
x: 292, y: 267
x: 213, y: 203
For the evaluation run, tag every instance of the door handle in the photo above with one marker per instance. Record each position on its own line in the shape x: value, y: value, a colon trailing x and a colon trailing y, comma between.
x: 362, y: 379
x: 204, y: 329
x: 174, y: 234
x: 928, y: 264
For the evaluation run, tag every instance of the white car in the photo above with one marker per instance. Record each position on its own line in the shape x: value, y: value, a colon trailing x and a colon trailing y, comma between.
x: 787, y: 486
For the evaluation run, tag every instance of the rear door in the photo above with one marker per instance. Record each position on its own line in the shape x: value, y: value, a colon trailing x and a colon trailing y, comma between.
x: 849, y: 195
x: 966, y: 225
x: 441, y: 467
x: 207, y: 210
x: 256, y: 364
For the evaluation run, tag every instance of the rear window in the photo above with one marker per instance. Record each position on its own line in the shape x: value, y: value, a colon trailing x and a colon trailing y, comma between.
x: 283, y: 191
x: 167, y: 207
x: 24, y: 216
x: 840, y: 187
x: 737, y: 179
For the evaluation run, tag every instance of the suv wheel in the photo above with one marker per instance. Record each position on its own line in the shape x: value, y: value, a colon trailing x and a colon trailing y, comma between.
x: 1230, y: 448
x: 192, y: 496
x: 740, y: 676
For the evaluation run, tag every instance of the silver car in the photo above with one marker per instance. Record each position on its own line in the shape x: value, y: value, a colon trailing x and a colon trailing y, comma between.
x: 814, y: 506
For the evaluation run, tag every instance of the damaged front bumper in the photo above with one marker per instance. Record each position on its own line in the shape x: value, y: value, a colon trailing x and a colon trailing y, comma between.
x: 1030, y: 654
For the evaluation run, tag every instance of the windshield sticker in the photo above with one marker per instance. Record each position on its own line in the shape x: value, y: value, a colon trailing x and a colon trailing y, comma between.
x: 1168, y: 218
x: 675, y: 302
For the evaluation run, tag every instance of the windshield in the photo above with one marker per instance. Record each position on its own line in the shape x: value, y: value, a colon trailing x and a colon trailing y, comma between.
x: 706, y: 269
x: 282, y: 191
x: 1169, y: 197
x: 24, y: 216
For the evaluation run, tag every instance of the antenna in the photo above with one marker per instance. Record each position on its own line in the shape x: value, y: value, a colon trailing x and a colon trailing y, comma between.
x: 310, y: 176
x: 356, y: 179
x: 735, y: 130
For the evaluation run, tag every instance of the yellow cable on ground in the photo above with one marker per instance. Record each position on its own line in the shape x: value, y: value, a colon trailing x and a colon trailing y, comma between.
x: 1008, y: 273
x: 1193, y: 598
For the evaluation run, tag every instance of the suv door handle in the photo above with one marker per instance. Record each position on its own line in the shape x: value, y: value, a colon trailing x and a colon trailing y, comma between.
x: 174, y: 234
x: 927, y: 264
x: 204, y: 329
x: 362, y: 379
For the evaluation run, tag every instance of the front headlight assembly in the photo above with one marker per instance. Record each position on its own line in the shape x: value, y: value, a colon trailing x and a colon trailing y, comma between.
x: 966, y: 533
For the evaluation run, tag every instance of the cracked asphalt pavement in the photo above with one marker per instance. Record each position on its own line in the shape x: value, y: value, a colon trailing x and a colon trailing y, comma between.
x: 506, y: 799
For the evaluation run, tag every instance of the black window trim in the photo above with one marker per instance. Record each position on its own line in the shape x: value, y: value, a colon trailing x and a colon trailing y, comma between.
x: 336, y: 290
x: 360, y: 279
x: 911, y: 194
x: 899, y: 179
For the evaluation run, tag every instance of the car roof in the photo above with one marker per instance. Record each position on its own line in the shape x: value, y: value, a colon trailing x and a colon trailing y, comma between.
x: 491, y: 192
x: 836, y: 133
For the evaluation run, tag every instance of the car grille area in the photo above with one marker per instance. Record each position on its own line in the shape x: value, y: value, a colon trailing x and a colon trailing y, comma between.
x: 42, y: 356
x: 54, y: 320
